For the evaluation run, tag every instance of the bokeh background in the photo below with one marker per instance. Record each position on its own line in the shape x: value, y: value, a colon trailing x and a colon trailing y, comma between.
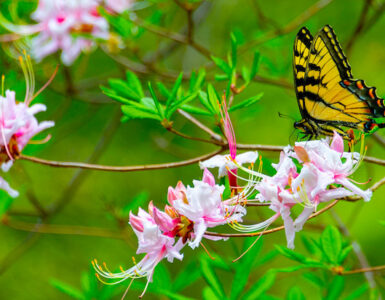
x: 34, y: 265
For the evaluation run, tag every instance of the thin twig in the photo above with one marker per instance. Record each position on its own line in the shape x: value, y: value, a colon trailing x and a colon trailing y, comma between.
x: 363, y: 270
x: 62, y: 164
x: 62, y: 229
x: 172, y: 36
x: 213, y: 135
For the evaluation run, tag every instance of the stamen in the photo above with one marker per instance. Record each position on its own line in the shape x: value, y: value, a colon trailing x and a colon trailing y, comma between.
x: 208, y: 253
x: 2, y: 84
x: 26, y: 76
x: 39, y: 142
x: 45, y: 85
x: 125, y: 293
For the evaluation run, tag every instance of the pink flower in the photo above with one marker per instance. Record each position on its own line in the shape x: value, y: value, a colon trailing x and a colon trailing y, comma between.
x: 18, y: 121
x: 152, y: 242
x: 306, y: 175
x: 67, y: 25
x: 203, y: 205
x: 225, y: 162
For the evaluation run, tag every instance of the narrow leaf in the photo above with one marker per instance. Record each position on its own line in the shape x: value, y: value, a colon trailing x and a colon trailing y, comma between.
x: 211, y: 278
x: 255, y: 65
x: 157, y: 104
x: 134, y: 82
x: 222, y: 65
x: 246, y: 103
x: 67, y: 289
x: 331, y: 242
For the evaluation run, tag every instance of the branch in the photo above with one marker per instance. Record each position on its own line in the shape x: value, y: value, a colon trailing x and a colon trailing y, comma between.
x: 293, y: 25
x: 172, y: 36
x: 61, y: 229
x: 363, y: 270
x: 62, y: 164
x: 213, y: 135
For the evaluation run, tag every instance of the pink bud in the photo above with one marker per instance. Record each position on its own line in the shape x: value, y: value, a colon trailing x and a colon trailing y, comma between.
x: 337, y: 143
x: 151, y: 208
x: 208, y: 177
x: 164, y: 221
x: 136, y: 222
x: 171, y: 196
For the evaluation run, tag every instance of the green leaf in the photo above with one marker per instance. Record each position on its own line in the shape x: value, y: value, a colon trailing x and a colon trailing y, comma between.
x: 245, y: 74
x: 234, y: 45
x: 255, y: 65
x: 246, y: 103
x: 291, y: 254
x: 134, y: 83
x: 181, y: 102
x: 344, y: 253
x: 162, y: 89
x: 123, y: 89
x: 221, y: 77
x: 335, y: 288
x: 149, y: 103
x: 357, y: 293
x: 295, y: 294
x: 195, y: 110
x: 261, y: 286
x: 213, y: 98
x: 186, y: 277
x: 311, y: 245
x: 131, y: 112
x: 208, y: 294
x: 331, y: 242
x: 203, y: 98
x: 197, y: 80
x: 172, y: 97
x: 211, y: 278
x: 162, y: 278
x: 314, y: 279
x: 243, y: 267
x: 157, y: 104
x: 5, y: 202
x: 67, y: 289
x: 382, y: 222
x: 222, y: 65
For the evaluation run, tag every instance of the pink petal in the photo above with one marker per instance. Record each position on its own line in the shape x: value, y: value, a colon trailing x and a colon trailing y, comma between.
x: 208, y: 178
x: 337, y: 143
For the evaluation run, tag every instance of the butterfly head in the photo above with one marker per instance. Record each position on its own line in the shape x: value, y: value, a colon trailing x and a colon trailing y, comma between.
x: 305, y: 127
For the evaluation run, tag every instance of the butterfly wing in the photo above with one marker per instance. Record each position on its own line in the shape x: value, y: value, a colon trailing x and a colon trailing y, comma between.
x: 301, y: 53
x: 331, y: 98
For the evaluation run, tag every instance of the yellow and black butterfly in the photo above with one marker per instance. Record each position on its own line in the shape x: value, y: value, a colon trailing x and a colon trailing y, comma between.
x: 328, y: 97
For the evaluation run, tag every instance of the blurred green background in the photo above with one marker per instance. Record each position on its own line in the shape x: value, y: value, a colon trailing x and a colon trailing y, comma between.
x: 87, y: 122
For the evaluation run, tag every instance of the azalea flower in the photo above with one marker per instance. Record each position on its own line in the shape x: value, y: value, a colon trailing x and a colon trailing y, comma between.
x: 307, y: 174
x: 152, y: 242
x: 18, y: 124
x: 202, y: 204
x: 225, y: 162
x: 70, y: 26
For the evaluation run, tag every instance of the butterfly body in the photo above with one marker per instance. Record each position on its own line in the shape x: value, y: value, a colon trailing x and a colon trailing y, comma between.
x: 328, y: 97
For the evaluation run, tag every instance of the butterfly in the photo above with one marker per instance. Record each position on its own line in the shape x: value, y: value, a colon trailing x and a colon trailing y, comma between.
x: 329, y: 99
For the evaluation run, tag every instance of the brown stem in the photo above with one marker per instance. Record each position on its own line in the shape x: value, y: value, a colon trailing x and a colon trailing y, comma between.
x: 172, y: 36
x: 213, y: 135
x: 61, y: 229
x: 363, y: 270
x: 174, y: 131
x: 63, y: 164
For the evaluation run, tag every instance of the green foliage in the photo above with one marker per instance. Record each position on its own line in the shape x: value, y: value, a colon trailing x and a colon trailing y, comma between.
x: 90, y: 288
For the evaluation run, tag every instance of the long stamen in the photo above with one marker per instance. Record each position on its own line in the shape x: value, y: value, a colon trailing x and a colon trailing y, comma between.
x: 31, y: 76
x: 126, y: 291
x: 2, y: 85
x: 44, y: 86
x: 208, y: 253
x: 26, y: 75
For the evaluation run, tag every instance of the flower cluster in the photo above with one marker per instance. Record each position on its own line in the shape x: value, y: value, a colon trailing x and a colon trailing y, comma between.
x: 163, y: 234
x: 308, y: 174
x: 18, y: 124
x: 71, y: 26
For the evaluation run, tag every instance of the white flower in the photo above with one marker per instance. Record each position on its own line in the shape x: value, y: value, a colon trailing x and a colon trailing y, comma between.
x: 224, y: 162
